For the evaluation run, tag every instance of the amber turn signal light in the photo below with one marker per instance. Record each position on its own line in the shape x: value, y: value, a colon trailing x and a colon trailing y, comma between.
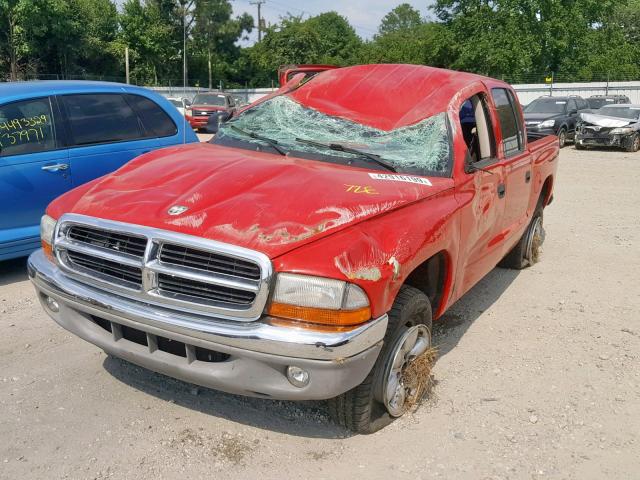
x: 46, y: 248
x: 322, y: 316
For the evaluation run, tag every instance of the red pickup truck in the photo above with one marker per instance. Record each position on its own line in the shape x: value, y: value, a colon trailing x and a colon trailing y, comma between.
x: 305, y: 252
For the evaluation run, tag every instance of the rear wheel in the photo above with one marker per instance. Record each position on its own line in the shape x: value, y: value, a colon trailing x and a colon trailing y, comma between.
x: 527, y: 250
x: 634, y: 145
x: 388, y: 392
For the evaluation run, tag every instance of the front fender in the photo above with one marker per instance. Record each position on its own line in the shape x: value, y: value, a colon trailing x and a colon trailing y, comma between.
x: 379, y: 254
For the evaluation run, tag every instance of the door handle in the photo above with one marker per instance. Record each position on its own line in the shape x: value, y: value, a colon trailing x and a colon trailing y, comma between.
x: 501, y: 190
x: 527, y: 176
x: 55, y: 167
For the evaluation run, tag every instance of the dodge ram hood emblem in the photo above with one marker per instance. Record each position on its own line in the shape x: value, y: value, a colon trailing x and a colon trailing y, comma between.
x: 177, y: 210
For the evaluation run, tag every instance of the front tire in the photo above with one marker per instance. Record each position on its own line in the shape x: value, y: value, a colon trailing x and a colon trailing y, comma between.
x: 562, y: 137
x: 382, y: 396
x: 634, y: 145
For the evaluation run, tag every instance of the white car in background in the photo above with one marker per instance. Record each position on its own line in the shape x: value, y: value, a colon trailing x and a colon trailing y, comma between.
x: 179, y: 103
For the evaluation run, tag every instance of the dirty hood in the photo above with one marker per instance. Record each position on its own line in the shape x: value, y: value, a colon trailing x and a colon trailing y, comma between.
x: 606, y: 121
x: 256, y: 200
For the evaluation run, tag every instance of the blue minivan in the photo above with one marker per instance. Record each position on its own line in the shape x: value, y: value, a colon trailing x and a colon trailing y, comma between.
x: 56, y: 135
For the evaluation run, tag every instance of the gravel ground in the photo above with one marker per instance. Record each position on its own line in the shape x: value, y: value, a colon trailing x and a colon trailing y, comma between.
x: 538, y: 377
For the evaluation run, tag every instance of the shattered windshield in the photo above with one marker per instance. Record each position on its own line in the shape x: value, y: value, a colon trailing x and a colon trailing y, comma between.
x: 420, y: 148
x: 546, y: 105
x: 632, y: 113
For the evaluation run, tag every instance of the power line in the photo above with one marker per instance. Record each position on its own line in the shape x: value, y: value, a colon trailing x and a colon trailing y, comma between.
x: 259, y: 3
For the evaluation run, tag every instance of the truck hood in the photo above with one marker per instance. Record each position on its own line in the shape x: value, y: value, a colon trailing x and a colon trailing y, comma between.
x: 255, y: 200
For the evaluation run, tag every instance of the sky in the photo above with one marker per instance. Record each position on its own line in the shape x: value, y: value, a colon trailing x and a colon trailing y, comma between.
x: 364, y: 15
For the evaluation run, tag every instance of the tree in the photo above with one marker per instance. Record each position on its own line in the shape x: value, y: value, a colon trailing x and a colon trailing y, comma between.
x: 403, y: 17
x: 426, y: 44
x: 325, y: 38
x: 341, y: 44
x: 150, y: 29
x: 216, y: 32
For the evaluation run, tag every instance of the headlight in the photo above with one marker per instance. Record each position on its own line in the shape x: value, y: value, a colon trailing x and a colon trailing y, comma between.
x: 547, y: 124
x: 188, y: 111
x: 319, y: 300
x: 47, y: 228
x: 621, y: 131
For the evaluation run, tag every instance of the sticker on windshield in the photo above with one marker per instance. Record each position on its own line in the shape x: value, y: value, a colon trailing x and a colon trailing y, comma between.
x: 561, y: 103
x: 400, y: 178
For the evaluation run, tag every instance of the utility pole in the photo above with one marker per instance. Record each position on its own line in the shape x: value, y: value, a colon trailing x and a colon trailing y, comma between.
x: 126, y: 62
x: 259, y: 3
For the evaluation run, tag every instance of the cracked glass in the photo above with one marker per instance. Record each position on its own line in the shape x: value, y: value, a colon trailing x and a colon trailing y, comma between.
x: 422, y: 147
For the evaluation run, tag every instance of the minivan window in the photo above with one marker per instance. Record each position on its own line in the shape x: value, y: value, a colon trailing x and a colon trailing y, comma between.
x: 26, y: 127
x: 510, y: 122
x: 101, y: 118
x: 155, y: 120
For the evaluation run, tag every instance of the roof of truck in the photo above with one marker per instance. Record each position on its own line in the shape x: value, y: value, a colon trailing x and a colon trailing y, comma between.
x: 384, y: 96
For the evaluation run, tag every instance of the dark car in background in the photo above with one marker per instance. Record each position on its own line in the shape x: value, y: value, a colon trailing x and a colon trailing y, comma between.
x: 205, y: 104
x: 554, y: 116
x: 611, y: 126
x: 598, y: 101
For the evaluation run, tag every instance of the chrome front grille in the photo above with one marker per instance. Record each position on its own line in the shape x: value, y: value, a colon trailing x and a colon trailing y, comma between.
x: 133, y: 245
x: 208, y: 261
x: 173, y: 270
x: 201, y: 291
x: 131, y: 277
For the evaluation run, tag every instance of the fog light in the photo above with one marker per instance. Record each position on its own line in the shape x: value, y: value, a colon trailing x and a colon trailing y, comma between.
x: 297, y: 376
x: 52, y: 305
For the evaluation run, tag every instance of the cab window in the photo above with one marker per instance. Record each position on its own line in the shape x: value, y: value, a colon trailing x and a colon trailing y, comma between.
x: 26, y: 127
x: 510, y: 122
x: 476, y: 128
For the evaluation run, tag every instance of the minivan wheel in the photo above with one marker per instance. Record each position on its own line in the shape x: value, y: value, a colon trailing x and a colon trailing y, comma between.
x: 386, y: 393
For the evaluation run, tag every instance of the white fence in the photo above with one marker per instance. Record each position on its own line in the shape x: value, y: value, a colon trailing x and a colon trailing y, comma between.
x: 247, y: 95
x: 526, y: 93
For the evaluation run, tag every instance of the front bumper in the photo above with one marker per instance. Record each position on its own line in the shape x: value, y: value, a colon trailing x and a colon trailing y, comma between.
x: 603, y: 140
x: 248, y: 359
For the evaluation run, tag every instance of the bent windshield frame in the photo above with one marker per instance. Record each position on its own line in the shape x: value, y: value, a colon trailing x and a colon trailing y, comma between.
x: 424, y: 148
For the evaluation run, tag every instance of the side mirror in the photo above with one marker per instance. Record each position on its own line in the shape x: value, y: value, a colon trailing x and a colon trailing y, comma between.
x: 573, y: 112
x: 186, y: 103
x: 215, y: 119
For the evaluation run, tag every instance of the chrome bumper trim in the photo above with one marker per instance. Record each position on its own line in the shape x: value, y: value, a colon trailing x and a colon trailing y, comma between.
x: 258, y: 336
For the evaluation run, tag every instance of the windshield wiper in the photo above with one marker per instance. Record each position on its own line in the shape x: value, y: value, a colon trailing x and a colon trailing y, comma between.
x: 341, y: 148
x: 272, y: 143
